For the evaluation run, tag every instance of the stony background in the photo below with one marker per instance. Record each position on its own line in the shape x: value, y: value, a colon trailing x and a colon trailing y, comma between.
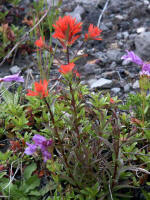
x: 125, y: 25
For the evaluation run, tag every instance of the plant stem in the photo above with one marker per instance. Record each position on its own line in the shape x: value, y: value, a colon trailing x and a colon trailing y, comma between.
x: 67, y: 52
x: 75, y: 113
x: 60, y: 142
x: 116, y: 133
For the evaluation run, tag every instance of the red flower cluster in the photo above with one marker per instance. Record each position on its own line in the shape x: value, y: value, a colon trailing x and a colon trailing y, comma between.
x: 40, y: 42
x: 93, y: 33
x: 65, y: 69
x: 40, y: 89
x: 66, y: 30
x: 112, y: 101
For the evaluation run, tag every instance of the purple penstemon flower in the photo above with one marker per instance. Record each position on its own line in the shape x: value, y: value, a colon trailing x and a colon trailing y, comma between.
x: 137, y: 60
x: 131, y: 56
x: 145, y: 70
x: 40, y: 143
x: 31, y: 149
x: 14, y: 77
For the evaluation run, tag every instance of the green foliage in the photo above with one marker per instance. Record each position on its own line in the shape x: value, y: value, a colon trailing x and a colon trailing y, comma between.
x: 26, y: 189
x: 94, y: 142
x: 100, y: 146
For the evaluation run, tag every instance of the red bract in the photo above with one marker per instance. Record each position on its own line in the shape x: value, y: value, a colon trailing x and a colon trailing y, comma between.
x: 112, y: 101
x: 64, y: 69
x: 40, y: 89
x: 66, y: 30
x: 40, y: 42
x: 76, y: 73
x: 93, y: 33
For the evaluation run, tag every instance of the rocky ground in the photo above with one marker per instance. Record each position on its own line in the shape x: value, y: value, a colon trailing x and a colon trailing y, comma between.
x: 125, y: 25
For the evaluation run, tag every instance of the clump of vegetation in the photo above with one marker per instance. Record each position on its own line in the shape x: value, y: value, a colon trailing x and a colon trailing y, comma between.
x: 69, y: 143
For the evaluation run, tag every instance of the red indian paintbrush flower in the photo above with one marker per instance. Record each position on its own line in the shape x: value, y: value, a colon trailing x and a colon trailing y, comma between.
x: 40, y: 89
x: 40, y: 42
x: 64, y: 69
x: 66, y: 30
x: 93, y: 33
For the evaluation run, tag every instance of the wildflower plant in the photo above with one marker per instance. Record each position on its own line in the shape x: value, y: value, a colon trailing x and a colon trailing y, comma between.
x: 83, y: 145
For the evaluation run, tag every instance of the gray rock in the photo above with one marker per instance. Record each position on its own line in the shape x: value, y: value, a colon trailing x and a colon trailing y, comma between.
x: 142, y: 43
x: 125, y: 34
x: 101, y: 56
x: 101, y: 83
x: 89, y: 69
x: 109, y: 24
x: 120, y: 44
x: 120, y: 17
x: 115, y: 90
x: 15, y: 69
x: 135, y: 21
x: 78, y: 11
x: 93, y: 2
x: 115, y: 3
x: 141, y: 30
x: 29, y: 71
x: 113, y: 65
x: 101, y: 3
x: 103, y: 27
x: 127, y: 87
x: 126, y: 62
x: 110, y: 75
x: 132, y: 36
x: 119, y: 36
x: 146, y: 2
x: 136, y: 85
x: 114, y: 54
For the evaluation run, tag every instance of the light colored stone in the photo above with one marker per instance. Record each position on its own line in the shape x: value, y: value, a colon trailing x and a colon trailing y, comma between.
x: 15, y: 69
x: 103, y: 27
x: 127, y: 87
x: 115, y: 90
x: 142, y: 43
x: 89, y: 69
x: 146, y: 2
x: 136, y: 85
x: 125, y: 34
x: 87, y: 1
x: 101, y: 83
x: 114, y: 54
x: 78, y: 11
x: 120, y: 17
x: 140, y: 29
x: 126, y: 62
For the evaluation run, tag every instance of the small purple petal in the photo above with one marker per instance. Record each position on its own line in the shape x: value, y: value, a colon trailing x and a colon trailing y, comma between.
x: 39, y: 139
x: 48, y: 143
x: 14, y: 77
x: 42, y: 144
x: 132, y: 57
x: 46, y: 155
x: 31, y: 149
x: 145, y: 69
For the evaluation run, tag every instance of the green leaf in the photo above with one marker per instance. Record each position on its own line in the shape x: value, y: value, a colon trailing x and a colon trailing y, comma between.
x: 4, y: 156
x: 2, y: 174
x: 31, y: 183
x: 35, y: 193
x: 29, y: 170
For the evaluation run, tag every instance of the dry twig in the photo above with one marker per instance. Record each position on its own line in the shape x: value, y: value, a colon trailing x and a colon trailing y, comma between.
x: 101, y: 15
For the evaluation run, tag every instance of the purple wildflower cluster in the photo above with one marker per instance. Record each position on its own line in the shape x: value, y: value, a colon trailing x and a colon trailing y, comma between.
x: 137, y: 60
x: 14, y: 77
x: 40, y: 143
